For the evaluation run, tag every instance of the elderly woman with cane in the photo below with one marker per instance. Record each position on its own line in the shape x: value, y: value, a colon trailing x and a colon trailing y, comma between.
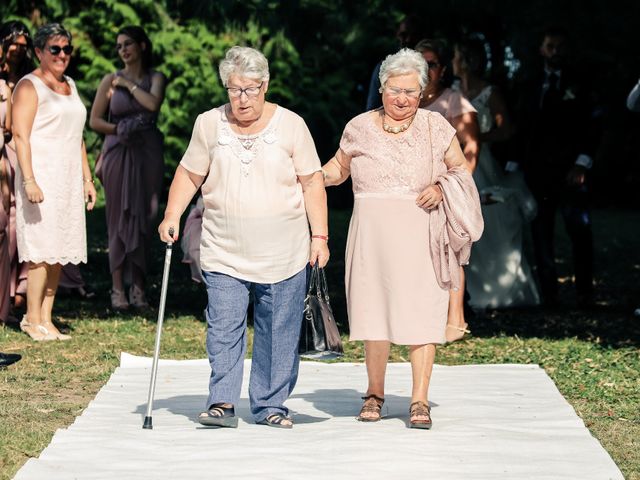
x: 262, y: 187
x: 415, y: 214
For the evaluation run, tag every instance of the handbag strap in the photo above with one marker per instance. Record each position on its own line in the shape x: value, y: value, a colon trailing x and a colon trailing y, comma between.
x: 318, y: 282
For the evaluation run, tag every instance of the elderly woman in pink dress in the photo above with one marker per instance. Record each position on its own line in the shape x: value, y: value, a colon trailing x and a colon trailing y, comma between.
x: 53, y: 180
x: 458, y: 111
x: 264, y: 220
x: 415, y: 214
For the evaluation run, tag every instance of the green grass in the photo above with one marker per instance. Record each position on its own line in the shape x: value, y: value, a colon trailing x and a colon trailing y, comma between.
x: 592, y: 356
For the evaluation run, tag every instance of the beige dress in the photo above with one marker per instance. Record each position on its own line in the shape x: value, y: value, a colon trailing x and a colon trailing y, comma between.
x: 392, y: 291
x: 54, y: 231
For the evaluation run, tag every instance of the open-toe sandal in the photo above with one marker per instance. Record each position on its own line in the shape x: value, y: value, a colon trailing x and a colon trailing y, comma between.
x: 277, y: 420
x: 457, y: 333
x: 371, y: 410
x: 219, y: 416
x: 420, y: 415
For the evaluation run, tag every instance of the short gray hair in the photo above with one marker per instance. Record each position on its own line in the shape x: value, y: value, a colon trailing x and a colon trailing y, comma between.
x: 48, y: 31
x: 244, y: 62
x: 404, y: 62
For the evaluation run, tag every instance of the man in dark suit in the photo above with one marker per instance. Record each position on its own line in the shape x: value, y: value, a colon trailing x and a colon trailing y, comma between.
x: 556, y: 145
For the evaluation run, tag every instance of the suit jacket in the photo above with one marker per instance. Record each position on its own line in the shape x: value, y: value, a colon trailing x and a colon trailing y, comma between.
x: 552, y: 132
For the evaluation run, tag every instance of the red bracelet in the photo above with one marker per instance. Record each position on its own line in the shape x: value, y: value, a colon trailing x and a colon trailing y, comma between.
x: 321, y: 237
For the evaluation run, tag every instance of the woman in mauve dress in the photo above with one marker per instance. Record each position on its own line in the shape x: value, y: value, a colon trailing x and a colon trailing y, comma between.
x: 125, y: 110
x: 416, y: 212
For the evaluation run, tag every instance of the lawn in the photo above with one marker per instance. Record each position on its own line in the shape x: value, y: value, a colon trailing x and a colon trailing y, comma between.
x: 592, y: 356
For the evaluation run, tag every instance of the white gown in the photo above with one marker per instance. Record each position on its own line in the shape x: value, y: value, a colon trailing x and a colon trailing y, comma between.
x: 498, y: 274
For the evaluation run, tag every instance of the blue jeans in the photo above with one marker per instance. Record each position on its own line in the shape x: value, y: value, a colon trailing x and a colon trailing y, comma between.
x: 277, y: 318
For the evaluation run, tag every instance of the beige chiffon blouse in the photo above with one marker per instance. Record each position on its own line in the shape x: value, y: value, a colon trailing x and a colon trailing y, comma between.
x: 254, y: 224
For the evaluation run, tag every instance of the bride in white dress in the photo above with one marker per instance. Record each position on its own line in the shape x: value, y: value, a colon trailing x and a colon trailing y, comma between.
x: 498, y: 274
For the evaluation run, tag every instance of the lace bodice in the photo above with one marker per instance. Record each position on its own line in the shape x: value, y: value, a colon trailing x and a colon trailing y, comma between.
x: 401, y: 164
x: 481, y: 104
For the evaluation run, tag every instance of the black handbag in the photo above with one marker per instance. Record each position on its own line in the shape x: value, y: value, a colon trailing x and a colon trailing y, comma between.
x: 319, y: 331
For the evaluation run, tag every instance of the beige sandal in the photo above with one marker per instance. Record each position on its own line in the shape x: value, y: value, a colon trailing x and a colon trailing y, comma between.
x: 41, y: 333
x: 137, y: 298
x: 459, y: 332
x: 119, y: 300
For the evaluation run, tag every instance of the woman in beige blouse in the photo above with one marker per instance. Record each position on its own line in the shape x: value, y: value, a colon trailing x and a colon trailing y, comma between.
x: 262, y: 187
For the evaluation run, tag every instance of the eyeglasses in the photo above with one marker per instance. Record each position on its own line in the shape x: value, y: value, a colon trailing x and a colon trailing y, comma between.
x: 235, y: 92
x: 20, y: 46
x: 409, y: 92
x: 56, y: 49
x: 433, y: 64
x: 125, y: 44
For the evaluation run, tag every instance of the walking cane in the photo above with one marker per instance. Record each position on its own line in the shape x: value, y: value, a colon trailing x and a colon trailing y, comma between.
x: 148, y: 423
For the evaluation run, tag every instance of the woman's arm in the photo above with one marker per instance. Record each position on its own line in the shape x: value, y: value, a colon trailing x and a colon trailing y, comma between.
x: 468, y: 133
x: 183, y: 187
x: 336, y: 170
x: 25, y: 106
x: 431, y: 196
x: 6, y: 95
x: 100, y: 107
x: 89, y: 188
x: 315, y: 203
x: 504, y: 128
x: 151, y: 100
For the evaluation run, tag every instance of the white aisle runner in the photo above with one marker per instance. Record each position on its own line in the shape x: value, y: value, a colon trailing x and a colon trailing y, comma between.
x: 490, y: 422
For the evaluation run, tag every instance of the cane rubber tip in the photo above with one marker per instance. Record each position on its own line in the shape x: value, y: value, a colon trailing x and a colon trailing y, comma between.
x: 148, y: 423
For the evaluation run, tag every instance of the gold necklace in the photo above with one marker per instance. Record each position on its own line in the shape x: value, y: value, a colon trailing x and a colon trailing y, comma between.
x: 397, y: 128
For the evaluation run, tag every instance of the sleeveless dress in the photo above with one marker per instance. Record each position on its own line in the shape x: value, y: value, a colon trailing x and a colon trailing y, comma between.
x: 54, y: 231
x: 132, y: 173
x: 391, y: 285
x: 18, y: 275
x: 499, y: 274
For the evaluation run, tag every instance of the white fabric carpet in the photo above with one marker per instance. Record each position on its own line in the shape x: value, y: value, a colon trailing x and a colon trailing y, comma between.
x: 490, y: 421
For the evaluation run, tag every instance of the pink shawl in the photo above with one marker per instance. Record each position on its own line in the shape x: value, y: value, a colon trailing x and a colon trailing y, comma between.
x: 454, y: 225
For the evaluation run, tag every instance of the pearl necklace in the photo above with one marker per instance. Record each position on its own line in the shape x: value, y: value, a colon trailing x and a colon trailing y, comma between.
x: 397, y: 129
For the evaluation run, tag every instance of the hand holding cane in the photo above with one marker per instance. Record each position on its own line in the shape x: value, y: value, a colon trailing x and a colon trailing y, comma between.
x: 148, y: 423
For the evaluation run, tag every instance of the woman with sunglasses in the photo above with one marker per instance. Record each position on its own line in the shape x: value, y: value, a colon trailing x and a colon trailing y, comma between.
x: 16, y: 60
x: 125, y: 110
x: 458, y: 111
x: 53, y: 180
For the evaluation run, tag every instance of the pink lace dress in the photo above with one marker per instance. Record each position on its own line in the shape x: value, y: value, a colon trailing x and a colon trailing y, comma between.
x: 392, y: 290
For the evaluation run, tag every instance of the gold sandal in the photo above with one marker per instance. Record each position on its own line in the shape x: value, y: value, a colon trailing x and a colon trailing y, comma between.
x: 372, y: 405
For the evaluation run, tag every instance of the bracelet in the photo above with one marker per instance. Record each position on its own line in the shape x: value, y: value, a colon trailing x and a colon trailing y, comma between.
x: 321, y: 237
x: 27, y: 181
x: 133, y: 89
x: 88, y: 180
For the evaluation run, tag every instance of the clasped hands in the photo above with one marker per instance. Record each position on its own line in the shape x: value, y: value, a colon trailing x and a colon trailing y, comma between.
x: 430, y: 197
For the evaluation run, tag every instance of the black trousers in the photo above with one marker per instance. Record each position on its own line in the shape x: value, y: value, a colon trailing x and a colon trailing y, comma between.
x: 573, y: 204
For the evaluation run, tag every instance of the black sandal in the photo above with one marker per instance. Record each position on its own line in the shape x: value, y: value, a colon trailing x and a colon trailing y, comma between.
x: 372, y: 404
x: 219, y: 416
x: 277, y: 420
x: 420, y: 409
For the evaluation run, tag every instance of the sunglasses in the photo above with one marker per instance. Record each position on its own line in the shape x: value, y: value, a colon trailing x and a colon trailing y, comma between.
x: 433, y: 64
x: 56, y: 49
